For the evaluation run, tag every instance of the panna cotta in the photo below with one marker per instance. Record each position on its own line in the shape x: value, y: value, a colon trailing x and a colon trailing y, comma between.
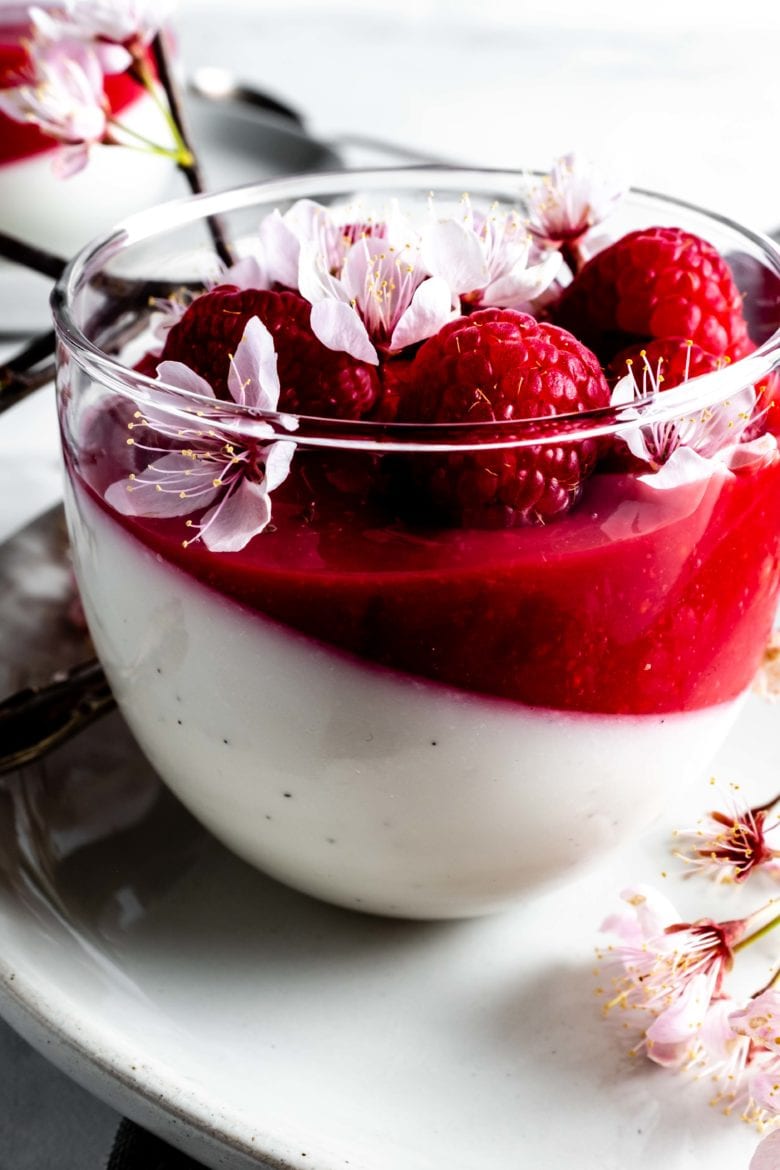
x: 418, y: 651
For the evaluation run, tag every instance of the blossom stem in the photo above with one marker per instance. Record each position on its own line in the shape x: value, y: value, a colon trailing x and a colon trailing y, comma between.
x: 188, y: 163
x: 757, y: 934
x: 31, y: 256
x: 765, y: 807
x: 572, y: 256
x: 146, y: 143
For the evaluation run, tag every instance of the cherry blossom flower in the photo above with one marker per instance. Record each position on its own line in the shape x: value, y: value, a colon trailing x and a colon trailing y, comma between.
x: 759, y: 1022
x: 208, y: 470
x: 122, y: 22
x: 485, y: 258
x: 63, y: 95
x: 767, y: 1154
x: 730, y: 846
x: 383, y: 298
x: 684, y: 450
x: 572, y: 199
x: 329, y: 235
x: 658, y: 958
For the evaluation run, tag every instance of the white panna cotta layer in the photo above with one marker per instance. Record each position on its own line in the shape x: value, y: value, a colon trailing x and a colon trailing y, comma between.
x: 366, y: 787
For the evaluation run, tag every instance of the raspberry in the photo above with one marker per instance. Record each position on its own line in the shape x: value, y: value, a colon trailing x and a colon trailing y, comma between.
x: 314, y: 380
x: 665, y: 363
x: 495, y: 365
x: 654, y: 283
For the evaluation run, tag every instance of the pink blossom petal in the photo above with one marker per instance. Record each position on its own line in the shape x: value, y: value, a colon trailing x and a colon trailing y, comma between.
x: 278, y: 458
x: 339, y: 327
x: 671, y: 1034
x: 453, y: 252
x: 767, y: 1154
x: 760, y: 1020
x: 430, y: 309
x: 281, y: 249
x: 237, y: 518
x: 69, y: 160
x: 314, y: 280
x: 683, y: 467
x: 523, y: 284
x: 246, y: 273
x: 47, y: 27
x: 652, y: 913
x: 181, y: 377
x: 764, y: 1087
x: 361, y: 268
x: 753, y: 454
x: 172, y: 486
x: 113, y: 58
x: 253, y: 379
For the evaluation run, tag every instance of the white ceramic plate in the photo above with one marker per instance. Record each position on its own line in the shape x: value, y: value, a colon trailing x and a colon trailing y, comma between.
x: 255, y: 1027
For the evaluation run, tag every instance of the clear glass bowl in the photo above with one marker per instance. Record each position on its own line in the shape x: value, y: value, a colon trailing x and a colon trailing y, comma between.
x: 384, y: 709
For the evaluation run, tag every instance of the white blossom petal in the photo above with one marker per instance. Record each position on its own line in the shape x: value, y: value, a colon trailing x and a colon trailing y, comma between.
x: 113, y: 58
x: 339, y: 327
x: 278, y: 458
x: 314, y: 280
x: 430, y: 309
x: 767, y: 1154
x: 181, y: 377
x: 175, y: 485
x: 523, y: 284
x: 281, y: 248
x: 237, y: 518
x: 253, y: 379
x: 683, y: 467
x: 248, y: 272
x: 672, y: 1032
x: 756, y: 453
x: 452, y: 251
x: 69, y: 160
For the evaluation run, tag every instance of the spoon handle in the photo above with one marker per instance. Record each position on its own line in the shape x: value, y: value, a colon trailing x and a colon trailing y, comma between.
x: 36, y: 720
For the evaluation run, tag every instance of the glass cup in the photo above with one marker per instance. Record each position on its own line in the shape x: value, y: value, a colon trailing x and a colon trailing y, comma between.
x: 116, y: 182
x: 377, y: 706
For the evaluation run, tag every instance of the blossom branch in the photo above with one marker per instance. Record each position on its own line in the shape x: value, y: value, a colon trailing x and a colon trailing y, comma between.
x: 188, y: 162
x: 27, y: 371
x: 31, y: 256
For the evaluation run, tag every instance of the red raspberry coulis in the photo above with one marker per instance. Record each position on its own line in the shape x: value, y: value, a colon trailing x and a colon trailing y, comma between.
x: 637, y: 602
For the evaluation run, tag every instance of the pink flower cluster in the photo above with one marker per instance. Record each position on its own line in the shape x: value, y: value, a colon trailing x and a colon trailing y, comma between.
x: 69, y: 56
x: 669, y: 975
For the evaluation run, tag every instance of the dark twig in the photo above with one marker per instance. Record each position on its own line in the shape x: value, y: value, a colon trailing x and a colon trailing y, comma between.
x: 191, y: 168
x: 30, y: 369
x: 38, y: 719
x: 30, y: 256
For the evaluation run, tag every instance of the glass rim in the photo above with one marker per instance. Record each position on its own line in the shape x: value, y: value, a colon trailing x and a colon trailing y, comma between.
x: 689, y: 399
